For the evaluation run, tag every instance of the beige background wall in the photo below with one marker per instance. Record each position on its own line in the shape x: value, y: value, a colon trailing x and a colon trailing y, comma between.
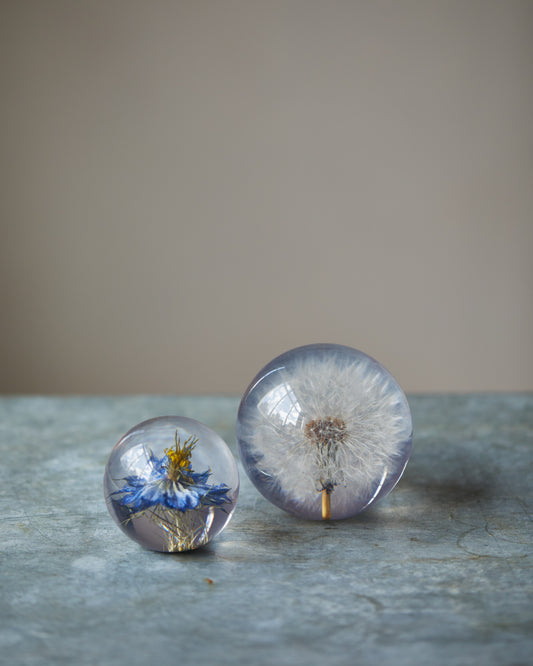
x: 190, y: 188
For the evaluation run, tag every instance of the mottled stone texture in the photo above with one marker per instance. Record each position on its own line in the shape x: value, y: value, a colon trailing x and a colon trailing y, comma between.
x: 439, y: 572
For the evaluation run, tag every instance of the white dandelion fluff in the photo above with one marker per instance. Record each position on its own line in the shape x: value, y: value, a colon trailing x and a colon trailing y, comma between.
x: 324, y: 430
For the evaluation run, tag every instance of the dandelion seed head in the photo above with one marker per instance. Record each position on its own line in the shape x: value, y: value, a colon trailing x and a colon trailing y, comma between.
x: 324, y: 417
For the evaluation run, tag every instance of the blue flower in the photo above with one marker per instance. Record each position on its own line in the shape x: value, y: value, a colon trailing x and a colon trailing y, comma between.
x: 171, y: 483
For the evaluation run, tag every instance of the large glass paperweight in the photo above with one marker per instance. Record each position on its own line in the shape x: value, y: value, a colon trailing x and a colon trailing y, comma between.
x: 324, y: 431
x: 171, y: 484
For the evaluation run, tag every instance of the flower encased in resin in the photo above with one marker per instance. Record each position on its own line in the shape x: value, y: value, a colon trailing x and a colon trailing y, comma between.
x: 155, y: 492
x: 324, y: 431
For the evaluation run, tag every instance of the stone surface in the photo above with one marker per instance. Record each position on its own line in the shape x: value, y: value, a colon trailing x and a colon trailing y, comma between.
x: 438, y: 572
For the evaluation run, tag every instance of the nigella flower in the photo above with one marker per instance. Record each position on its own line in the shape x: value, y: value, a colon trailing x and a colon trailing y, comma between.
x: 170, y: 483
x: 324, y: 424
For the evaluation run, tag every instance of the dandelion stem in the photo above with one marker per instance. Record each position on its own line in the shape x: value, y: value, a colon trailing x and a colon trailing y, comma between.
x: 326, y: 504
x: 327, y: 434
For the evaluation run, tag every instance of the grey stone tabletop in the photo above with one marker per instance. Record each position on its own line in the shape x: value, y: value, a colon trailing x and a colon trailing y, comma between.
x: 439, y: 572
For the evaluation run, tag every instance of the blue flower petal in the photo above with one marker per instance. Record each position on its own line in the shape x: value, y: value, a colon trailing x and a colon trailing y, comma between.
x: 200, y: 479
x: 155, y: 488
x: 216, y: 495
x: 182, y: 499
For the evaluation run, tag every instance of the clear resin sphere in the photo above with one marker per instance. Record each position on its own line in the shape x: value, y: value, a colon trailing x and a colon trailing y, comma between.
x: 171, y: 484
x: 324, y: 431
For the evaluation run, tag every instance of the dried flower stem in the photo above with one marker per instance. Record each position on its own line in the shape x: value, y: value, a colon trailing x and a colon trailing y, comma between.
x: 326, y: 504
x: 326, y: 434
x: 184, y: 531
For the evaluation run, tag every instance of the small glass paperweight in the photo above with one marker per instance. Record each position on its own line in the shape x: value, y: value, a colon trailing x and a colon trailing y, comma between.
x: 171, y: 484
x: 324, y: 431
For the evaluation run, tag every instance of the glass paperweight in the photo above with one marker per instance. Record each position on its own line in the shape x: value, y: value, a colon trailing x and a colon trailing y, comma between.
x: 324, y: 431
x: 171, y: 484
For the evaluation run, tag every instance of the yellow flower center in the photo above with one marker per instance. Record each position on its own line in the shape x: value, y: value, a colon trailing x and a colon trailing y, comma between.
x: 179, y: 458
